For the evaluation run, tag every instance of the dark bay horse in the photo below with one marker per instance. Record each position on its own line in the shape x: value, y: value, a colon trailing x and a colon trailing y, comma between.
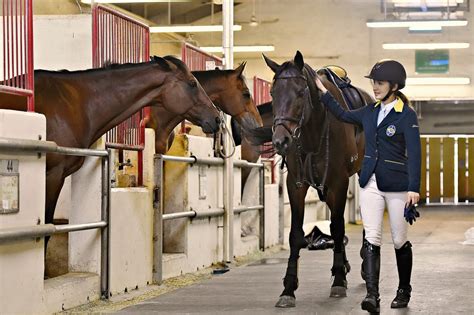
x: 228, y: 91
x: 321, y: 152
x: 81, y: 106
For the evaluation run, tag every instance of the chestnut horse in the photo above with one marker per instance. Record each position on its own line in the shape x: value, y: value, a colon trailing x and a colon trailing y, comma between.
x: 80, y: 106
x: 321, y: 152
x: 228, y: 91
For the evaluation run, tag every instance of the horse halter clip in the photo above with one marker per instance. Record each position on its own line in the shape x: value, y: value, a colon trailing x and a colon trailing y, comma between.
x: 280, y: 121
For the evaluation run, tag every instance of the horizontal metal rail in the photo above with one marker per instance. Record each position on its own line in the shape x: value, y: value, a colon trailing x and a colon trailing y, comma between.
x: 9, y: 144
x: 35, y: 231
x: 208, y: 161
x: 245, y: 208
x: 15, y: 91
x: 209, y: 213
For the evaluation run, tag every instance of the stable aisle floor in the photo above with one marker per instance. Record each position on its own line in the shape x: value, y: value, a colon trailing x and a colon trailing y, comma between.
x: 443, y: 277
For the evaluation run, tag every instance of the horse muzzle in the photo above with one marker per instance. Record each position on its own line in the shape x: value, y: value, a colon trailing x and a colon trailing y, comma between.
x: 281, y: 144
x: 211, y: 126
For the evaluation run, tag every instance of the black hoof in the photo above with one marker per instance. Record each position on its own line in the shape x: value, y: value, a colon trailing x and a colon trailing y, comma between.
x: 338, y: 292
x: 286, y: 301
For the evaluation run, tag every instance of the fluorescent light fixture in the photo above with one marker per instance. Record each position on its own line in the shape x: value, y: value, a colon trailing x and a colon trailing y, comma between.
x: 218, y: 49
x: 425, y: 28
x: 426, y: 46
x: 428, y: 3
x: 417, y: 23
x: 438, y: 81
x: 132, y: 1
x: 190, y: 28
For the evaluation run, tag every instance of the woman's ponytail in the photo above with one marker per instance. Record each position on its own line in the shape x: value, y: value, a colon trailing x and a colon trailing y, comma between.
x: 403, y: 97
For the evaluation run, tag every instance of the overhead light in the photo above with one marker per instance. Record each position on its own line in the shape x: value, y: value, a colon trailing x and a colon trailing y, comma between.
x: 426, y: 46
x: 417, y: 23
x: 425, y: 28
x: 218, y: 49
x: 428, y: 3
x: 190, y: 28
x: 132, y: 1
x: 438, y: 81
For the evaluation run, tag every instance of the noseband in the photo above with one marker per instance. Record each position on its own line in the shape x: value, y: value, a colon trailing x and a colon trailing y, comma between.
x: 280, y: 121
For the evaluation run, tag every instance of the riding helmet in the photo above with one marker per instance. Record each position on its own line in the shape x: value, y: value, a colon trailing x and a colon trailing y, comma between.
x: 389, y: 70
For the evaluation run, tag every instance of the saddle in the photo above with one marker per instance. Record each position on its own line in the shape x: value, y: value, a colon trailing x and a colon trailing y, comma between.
x: 338, y: 76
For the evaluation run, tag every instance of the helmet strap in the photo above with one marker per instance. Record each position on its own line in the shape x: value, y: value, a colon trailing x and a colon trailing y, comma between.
x: 389, y: 92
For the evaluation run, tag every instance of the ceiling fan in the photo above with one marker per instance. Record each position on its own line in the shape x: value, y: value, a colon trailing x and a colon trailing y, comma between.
x: 253, y: 18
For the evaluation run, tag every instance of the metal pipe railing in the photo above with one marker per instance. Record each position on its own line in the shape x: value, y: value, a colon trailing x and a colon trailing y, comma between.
x: 21, y: 145
x: 158, y: 203
x: 38, y: 146
x: 208, y: 161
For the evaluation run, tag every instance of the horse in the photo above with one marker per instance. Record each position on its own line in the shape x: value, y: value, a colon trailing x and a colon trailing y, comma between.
x: 228, y: 91
x: 80, y: 106
x: 320, y: 152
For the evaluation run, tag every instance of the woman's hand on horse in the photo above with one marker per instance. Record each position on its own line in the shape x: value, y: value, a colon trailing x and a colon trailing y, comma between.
x: 320, y: 85
x: 413, y: 197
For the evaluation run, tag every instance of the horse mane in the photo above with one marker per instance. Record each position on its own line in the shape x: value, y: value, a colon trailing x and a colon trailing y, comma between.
x: 177, y: 62
x: 211, y: 74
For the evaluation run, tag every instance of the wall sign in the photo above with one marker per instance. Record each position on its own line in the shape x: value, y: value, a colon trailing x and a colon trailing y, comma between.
x: 431, y: 61
x: 9, y: 186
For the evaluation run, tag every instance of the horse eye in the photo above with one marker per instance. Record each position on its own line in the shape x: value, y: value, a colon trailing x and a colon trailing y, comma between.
x: 246, y: 94
x: 192, y: 84
x: 301, y: 92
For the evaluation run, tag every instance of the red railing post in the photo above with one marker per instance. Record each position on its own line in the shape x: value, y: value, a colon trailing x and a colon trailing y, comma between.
x: 18, y: 68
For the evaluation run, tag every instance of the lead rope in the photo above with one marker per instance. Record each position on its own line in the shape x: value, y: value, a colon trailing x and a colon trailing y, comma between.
x: 225, y: 130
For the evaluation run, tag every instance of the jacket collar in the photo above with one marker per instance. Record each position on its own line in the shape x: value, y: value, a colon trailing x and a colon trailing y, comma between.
x: 398, y: 107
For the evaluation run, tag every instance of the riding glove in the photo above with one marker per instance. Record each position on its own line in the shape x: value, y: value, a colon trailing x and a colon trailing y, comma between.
x: 411, y: 213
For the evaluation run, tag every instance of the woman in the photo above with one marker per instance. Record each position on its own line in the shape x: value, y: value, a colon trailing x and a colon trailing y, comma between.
x: 390, y: 174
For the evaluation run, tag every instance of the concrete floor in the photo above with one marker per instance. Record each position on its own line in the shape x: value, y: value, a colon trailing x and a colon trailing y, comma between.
x: 443, y: 277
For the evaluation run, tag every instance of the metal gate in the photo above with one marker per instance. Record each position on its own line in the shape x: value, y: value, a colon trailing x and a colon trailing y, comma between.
x: 18, y: 69
x: 447, y: 173
x: 117, y: 38
x: 199, y: 60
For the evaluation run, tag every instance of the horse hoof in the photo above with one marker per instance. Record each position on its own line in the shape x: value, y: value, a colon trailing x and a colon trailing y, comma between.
x: 338, y: 292
x: 286, y: 301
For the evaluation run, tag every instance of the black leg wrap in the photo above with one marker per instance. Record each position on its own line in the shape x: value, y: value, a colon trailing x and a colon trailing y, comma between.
x: 339, y: 270
x: 371, y: 265
x: 290, y: 282
x: 404, y: 265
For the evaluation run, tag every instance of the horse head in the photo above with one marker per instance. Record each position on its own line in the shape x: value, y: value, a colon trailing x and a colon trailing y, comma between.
x: 183, y: 95
x: 291, y: 100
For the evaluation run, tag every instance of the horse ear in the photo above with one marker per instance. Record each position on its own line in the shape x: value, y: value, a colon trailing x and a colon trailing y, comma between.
x: 162, y: 62
x: 270, y: 63
x: 240, y: 69
x: 299, y: 62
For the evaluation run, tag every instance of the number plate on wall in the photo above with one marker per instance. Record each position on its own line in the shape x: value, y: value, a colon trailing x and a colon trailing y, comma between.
x: 9, y: 186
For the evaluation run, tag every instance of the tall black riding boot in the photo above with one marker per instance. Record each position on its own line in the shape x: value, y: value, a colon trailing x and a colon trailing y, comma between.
x: 404, y: 265
x: 371, y: 264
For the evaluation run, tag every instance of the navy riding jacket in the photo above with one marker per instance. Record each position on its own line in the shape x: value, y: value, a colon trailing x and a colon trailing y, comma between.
x: 392, y: 149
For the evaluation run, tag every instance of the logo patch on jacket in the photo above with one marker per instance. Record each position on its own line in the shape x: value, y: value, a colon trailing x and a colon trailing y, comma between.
x: 391, y: 130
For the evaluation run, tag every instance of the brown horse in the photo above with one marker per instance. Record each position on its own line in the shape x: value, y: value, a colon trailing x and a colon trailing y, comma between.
x: 321, y: 152
x: 230, y: 93
x: 81, y: 106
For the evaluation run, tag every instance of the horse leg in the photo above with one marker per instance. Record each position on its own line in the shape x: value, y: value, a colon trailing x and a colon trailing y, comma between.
x: 336, y: 202
x: 54, y: 184
x: 297, y: 241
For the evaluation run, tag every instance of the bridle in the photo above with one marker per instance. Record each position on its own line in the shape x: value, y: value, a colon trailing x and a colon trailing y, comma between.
x: 280, y: 120
x: 307, y: 164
